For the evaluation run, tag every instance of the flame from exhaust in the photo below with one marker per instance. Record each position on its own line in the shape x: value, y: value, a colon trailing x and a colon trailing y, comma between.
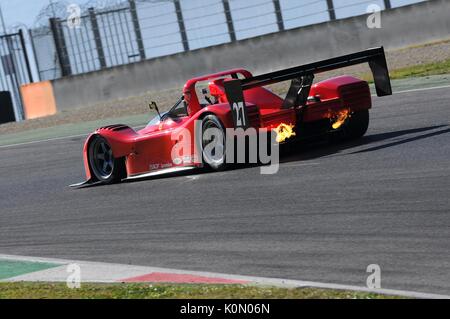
x: 341, y: 117
x: 284, y: 131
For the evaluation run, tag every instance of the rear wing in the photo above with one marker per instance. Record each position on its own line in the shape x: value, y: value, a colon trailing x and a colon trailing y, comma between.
x: 302, y: 78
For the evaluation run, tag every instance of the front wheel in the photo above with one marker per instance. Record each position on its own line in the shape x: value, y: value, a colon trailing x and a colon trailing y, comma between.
x: 104, y: 166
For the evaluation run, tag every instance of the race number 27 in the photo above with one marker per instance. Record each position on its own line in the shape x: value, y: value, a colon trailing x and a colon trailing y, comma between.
x: 239, y: 114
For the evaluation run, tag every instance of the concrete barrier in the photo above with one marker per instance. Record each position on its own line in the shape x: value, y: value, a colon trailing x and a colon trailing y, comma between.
x: 401, y: 27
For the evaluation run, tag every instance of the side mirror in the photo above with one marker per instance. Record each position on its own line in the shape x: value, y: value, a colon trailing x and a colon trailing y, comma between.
x: 154, y: 106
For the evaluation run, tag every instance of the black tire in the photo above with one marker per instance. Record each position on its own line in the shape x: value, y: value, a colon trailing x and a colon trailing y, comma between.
x: 357, y: 125
x: 215, y: 161
x: 104, y: 166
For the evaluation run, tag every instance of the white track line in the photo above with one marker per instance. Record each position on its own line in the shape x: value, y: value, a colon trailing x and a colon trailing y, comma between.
x: 109, y: 269
x: 424, y: 89
x: 81, y: 135
x: 418, y: 90
x: 43, y: 141
x: 55, y: 139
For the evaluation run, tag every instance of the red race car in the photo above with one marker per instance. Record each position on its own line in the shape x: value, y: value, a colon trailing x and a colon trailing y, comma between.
x: 235, y: 100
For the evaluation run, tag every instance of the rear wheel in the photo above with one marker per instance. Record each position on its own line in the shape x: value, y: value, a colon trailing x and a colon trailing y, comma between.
x: 104, y: 166
x: 213, y: 143
x: 357, y: 125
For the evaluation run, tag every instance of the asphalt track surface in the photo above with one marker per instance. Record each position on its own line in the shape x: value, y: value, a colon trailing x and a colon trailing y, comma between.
x: 330, y: 211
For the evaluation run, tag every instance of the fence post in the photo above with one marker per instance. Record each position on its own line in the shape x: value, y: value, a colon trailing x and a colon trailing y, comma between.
x: 25, y: 55
x: 228, y: 16
x: 97, y: 38
x: 181, y: 25
x: 137, y: 29
x: 387, y: 4
x: 279, y: 14
x: 36, y: 59
x: 331, y: 10
x: 60, y: 45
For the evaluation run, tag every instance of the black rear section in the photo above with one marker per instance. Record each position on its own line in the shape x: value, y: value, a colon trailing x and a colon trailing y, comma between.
x: 375, y: 57
x: 302, y: 79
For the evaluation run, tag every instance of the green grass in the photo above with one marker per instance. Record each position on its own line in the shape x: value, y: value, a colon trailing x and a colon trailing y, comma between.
x: 421, y: 70
x: 148, y: 291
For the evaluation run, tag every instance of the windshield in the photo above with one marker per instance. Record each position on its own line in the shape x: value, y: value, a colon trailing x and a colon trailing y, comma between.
x: 156, y: 120
x: 178, y: 110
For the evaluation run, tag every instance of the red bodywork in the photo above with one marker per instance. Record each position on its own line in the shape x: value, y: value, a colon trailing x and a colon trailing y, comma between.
x: 150, y: 149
